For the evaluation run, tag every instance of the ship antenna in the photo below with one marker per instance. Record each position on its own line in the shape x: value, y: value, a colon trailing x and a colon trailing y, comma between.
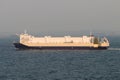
x: 90, y: 33
x: 25, y: 31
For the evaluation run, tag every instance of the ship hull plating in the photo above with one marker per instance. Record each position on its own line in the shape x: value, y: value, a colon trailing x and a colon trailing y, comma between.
x: 21, y: 46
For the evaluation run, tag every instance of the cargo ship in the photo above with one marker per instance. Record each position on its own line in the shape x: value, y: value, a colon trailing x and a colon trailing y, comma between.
x: 90, y: 42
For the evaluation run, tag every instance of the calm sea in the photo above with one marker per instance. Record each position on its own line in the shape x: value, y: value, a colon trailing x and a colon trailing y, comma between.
x: 59, y: 64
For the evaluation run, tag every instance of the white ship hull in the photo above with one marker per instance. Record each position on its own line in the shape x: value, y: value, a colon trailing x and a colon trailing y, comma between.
x: 62, y: 43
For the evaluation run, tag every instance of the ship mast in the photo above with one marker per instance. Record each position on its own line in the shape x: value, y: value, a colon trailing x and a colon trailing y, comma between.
x: 25, y: 31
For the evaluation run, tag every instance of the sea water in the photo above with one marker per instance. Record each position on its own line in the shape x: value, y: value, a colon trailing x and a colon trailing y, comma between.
x: 59, y: 64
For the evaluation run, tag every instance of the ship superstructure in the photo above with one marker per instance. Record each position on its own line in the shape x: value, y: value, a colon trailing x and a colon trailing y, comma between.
x: 67, y: 42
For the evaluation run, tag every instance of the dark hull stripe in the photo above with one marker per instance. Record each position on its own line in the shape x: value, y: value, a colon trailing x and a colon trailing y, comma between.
x: 21, y: 46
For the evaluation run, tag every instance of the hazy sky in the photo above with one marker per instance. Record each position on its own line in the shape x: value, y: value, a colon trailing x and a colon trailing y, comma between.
x: 59, y: 17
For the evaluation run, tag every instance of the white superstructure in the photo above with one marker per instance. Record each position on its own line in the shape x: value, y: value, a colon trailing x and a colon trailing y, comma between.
x: 89, y: 41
